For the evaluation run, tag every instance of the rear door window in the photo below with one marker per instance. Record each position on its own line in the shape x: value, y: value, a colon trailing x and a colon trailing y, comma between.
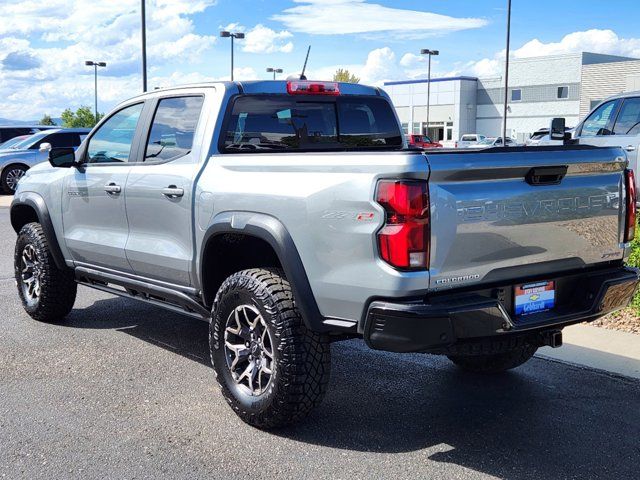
x: 174, y: 125
x: 267, y: 123
x: 628, y: 121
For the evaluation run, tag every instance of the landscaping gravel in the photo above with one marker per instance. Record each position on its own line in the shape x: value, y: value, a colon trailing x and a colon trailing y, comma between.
x: 625, y: 320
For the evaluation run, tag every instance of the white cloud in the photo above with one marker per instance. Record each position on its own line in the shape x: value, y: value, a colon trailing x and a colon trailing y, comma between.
x: 336, y: 17
x: 596, y: 41
x: 380, y: 66
x: 411, y: 60
x: 43, y: 47
x: 261, y: 39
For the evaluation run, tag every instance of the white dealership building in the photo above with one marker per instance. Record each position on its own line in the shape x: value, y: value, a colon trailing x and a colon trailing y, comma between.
x: 540, y: 89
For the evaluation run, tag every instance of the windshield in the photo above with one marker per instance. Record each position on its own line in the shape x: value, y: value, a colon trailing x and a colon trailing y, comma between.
x: 30, y: 140
x: 487, y: 141
x: 13, y: 141
x: 263, y: 123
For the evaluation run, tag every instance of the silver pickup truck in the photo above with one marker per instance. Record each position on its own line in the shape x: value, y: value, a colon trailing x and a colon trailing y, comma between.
x: 292, y: 214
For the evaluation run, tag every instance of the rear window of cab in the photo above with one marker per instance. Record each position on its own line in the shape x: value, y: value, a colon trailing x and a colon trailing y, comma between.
x: 268, y: 123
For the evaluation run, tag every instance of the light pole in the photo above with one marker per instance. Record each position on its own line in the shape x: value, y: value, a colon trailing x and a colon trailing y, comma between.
x: 95, y: 66
x: 144, y: 45
x: 239, y: 36
x: 426, y: 51
x: 274, y: 70
x: 506, y: 75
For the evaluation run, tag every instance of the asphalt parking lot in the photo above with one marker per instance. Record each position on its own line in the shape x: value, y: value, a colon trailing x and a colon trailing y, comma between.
x: 124, y: 390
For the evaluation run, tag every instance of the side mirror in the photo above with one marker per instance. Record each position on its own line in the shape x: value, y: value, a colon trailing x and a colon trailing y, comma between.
x: 64, y: 157
x: 556, y: 132
x: 45, y: 147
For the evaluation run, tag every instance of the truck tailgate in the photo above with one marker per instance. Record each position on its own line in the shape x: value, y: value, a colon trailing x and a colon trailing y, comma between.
x: 497, y: 215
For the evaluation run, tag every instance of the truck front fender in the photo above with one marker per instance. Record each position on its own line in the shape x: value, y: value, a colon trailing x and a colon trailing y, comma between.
x: 29, y: 207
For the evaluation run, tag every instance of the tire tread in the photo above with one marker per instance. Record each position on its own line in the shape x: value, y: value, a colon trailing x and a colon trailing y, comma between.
x: 58, y: 287
x: 305, y: 361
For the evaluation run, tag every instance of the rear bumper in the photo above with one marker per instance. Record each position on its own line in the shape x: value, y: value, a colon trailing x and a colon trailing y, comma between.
x: 441, y: 322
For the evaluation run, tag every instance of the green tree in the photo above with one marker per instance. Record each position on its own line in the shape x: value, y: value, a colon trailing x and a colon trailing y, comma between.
x: 81, y: 118
x: 46, y: 120
x: 344, y: 75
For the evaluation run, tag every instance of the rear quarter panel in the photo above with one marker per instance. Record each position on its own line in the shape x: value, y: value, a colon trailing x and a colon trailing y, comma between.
x: 325, y: 201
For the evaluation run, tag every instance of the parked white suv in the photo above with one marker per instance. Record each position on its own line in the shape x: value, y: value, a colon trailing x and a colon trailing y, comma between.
x: 614, y: 123
x: 470, y: 140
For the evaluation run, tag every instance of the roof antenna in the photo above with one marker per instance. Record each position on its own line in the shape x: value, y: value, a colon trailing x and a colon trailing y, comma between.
x: 304, y: 67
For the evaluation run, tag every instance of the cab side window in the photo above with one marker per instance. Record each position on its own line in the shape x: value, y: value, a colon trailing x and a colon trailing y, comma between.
x: 628, y: 121
x: 174, y: 125
x: 112, y: 142
x: 599, y: 122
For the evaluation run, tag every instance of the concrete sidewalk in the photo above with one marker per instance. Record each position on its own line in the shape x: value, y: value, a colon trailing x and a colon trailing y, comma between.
x: 595, y: 347
x: 5, y: 200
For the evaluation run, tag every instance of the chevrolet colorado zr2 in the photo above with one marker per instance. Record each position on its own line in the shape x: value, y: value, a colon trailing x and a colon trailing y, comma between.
x: 290, y: 214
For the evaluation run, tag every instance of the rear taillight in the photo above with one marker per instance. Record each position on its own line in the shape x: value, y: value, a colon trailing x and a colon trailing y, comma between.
x: 630, y: 218
x: 303, y: 87
x: 404, y: 238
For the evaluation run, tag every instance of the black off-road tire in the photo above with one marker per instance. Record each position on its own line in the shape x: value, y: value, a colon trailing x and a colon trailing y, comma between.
x: 57, y: 287
x: 496, y: 362
x: 301, y: 358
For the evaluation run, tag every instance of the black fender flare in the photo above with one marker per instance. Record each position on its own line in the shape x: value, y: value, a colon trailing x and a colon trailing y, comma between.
x: 272, y: 231
x: 37, y: 203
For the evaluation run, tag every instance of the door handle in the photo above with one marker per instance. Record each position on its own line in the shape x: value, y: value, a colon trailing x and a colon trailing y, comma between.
x: 630, y: 148
x: 172, y: 191
x: 112, y: 188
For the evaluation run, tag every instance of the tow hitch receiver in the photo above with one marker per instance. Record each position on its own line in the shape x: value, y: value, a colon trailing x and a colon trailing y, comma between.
x: 552, y: 338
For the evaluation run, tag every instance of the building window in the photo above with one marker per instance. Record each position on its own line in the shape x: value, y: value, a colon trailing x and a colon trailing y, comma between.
x: 516, y: 95
x: 563, y: 92
x: 449, y: 134
x: 593, y: 104
x: 405, y: 128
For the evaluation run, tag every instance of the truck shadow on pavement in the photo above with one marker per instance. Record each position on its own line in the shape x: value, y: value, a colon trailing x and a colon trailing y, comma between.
x: 543, y: 420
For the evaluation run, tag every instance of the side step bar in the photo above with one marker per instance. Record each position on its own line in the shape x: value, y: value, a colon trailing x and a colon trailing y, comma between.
x: 142, y: 290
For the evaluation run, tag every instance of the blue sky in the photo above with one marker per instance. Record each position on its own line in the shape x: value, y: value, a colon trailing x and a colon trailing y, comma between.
x: 43, y: 45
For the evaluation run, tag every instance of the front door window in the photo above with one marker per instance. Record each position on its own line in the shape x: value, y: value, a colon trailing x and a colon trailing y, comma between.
x: 112, y: 142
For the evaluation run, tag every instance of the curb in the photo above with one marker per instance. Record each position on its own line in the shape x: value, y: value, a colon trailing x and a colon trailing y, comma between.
x: 597, y: 348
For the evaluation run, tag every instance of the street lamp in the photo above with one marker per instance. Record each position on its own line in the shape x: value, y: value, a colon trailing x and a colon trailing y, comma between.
x: 426, y: 51
x: 506, y: 75
x: 239, y: 36
x: 95, y: 65
x: 143, y: 25
x: 274, y: 70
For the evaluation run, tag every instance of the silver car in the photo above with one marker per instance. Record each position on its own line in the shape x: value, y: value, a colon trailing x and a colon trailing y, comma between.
x: 15, y: 161
x: 615, y: 122
x: 491, y: 142
x: 9, y: 144
x: 470, y: 140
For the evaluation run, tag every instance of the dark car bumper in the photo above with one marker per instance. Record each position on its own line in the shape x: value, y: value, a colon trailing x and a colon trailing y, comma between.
x: 440, y: 322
